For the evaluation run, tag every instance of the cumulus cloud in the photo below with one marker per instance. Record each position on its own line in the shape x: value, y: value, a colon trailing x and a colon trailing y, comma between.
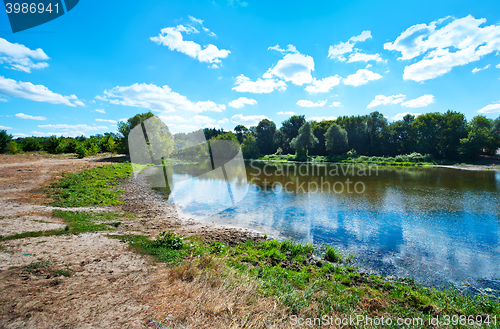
x: 492, y: 108
x: 29, y: 117
x: 100, y: 110
x: 72, y: 127
x: 240, y: 102
x: 421, y: 101
x: 361, y: 77
x: 105, y: 120
x: 338, y: 51
x: 5, y: 128
x: 385, y: 100
x: 261, y: 86
x: 400, y: 116
x: 335, y: 104
x: 286, y: 113
x: 248, y: 120
x: 498, y: 66
x: 475, y: 70
x: 172, y: 37
x: 38, y: 93
x: 290, y: 48
x: 171, y: 119
x: 294, y: 67
x: 319, y: 119
x: 323, y: 85
x: 202, y: 119
x: 444, y: 44
x: 225, y: 120
x: 150, y: 96
x: 21, y: 58
x: 307, y: 103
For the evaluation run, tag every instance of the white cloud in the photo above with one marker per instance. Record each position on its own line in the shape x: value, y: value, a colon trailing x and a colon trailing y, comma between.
x: 38, y: 93
x: 29, y: 117
x: 5, y: 128
x: 173, y: 39
x: 290, y: 48
x: 475, y: 70
x: 210, y: 125
x: 18, y: 134
x: 421, y: 101
x: 368, y: 66
x: 385, y: 100
x: 195, y: 20
x: 225, y: 120
x: 335, y: 104
x: 168, y: 119
x: 150, y: 96
x: 104, y: 120
x: 248, y: 120
x: 123, y: 119
x: 287, y: 113
x: 400, y: 116
x: 492, y: 108
x: 294, y: 67
x: 319, y: 119
x: 21, y: 58
x: 72, y: 127
x: 359, y: 57
x: 100, y: 111
x: 307, y: 103
x: 323, y: 85
x: 459, y: 42
x: 202, y: 119
x: 498, y: 66
x: 338, y: 51
x: 361, y: 77
x: 240, y: 102
x: 261, y: 86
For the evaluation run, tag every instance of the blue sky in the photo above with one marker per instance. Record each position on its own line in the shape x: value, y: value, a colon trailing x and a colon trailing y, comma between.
x: 222, y: 63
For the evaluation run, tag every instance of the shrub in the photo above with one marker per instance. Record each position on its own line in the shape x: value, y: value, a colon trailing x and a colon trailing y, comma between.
x: 13, y: 147
x: 31, y: 144
x: 81, y: 151
x: 170, y: 240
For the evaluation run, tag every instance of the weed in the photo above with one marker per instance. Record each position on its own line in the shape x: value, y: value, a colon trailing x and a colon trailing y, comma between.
x: 64, y: 272
x: 333, y: 255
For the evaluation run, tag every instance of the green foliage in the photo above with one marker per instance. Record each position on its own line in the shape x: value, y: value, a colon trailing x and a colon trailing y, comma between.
x: 290, y: 130
x: 249, y: 148
x: 4, y: 140
x: 13, y: 147
x: 97, y: 186
x: 304, y: 140
x: 81, y: 151
x: 336, y: 139
x: 225, y: 150
x: 31, y: 144
x: 170, y: 240
x: 264, y: 135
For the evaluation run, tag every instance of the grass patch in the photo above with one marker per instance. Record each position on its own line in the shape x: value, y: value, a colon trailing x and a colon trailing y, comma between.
x: 309, y: 288
x: 94, y: 187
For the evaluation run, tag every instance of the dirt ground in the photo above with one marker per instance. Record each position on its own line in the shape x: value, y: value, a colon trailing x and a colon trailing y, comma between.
x: 109, y: 286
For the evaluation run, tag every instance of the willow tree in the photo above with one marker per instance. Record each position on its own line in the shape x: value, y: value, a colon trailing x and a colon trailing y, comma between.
x: 336, y: 139
x: 304, y: 140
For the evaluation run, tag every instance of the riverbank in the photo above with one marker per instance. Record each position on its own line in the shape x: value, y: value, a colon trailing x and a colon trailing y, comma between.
x: 112, y: 266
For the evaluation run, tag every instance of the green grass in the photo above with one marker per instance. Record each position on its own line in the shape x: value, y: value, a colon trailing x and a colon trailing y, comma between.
x: 94, y: 187
x: 282, y: 270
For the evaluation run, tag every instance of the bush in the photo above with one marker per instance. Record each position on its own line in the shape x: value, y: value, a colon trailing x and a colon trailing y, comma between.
x: 13, y: 147
x: 31, y: 144
x: 81, y: 151
x: 170, y: 240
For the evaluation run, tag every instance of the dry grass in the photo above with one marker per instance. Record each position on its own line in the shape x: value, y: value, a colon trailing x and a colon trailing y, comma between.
x: 206, y: 293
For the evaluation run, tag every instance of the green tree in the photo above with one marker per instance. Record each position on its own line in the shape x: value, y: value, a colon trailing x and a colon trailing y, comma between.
x: 336, y: 139
x: 241, y: 132
x: 453, y: 129
x: 289, y: 130
x: 265, y: 136
x: 479, y: 138
x: 319, y: 130
x: 13, y: 147
x: 249, y: 148
x: 4, y: 140
x: 427, y: 133
x: 304, y: 140
x: 30, y: 144
x: 124, y: 128
x: 225, y: 150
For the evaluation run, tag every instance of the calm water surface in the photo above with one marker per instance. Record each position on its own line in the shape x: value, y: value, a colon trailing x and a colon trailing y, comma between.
x: 434, y: 224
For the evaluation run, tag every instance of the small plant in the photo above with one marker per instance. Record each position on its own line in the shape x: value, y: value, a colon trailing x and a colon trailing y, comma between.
x: 64, y: 272
x: 170, y: 240
x: 333, y: 255
x: 81, y: 151
x: 218, y: 247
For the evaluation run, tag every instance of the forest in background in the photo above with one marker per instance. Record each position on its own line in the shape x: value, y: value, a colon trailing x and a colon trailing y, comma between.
x: 427, y: 137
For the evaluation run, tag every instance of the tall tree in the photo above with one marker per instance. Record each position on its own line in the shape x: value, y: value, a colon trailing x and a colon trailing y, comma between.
x: 304, y: 140
x: 240, y: 131
x: 289, y: 130
x: 336, y: 139
x: 265, y: 136
x: 4, y: 140
x: 319, y: 130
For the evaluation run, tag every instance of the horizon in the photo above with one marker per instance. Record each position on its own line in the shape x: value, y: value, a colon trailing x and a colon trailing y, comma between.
x: 216, y: 65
